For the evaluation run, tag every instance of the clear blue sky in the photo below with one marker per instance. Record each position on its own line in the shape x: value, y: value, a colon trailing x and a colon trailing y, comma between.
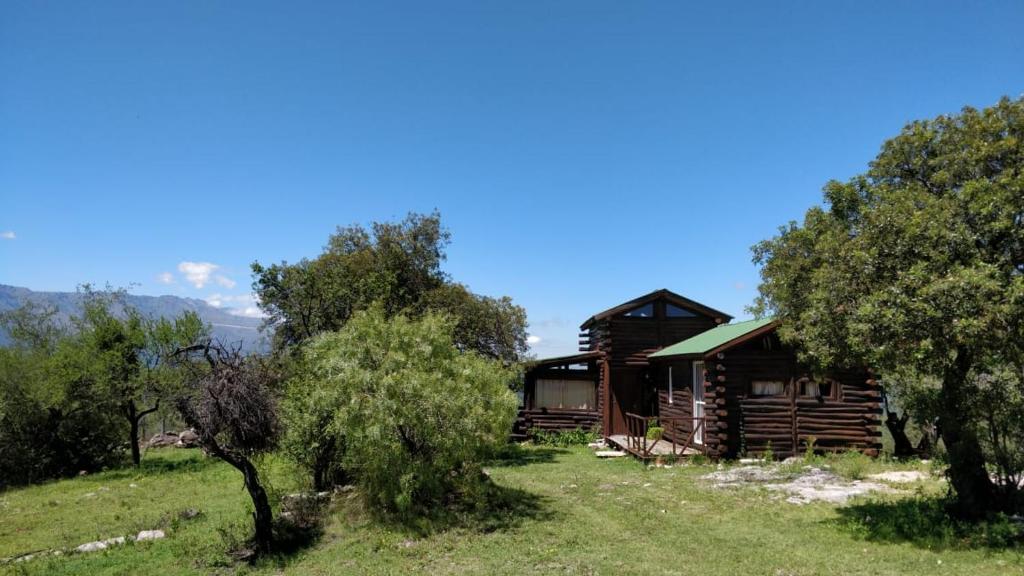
x: 581, y: 152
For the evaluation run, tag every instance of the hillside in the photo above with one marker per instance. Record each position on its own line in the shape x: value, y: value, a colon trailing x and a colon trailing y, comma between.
x: 227, y: 327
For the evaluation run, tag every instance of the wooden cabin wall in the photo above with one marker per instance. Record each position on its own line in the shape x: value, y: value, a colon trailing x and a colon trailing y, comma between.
x: 626, y: 342
x: 743, y: 423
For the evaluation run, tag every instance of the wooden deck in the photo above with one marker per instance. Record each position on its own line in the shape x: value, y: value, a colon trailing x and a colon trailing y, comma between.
x: 654, y: 449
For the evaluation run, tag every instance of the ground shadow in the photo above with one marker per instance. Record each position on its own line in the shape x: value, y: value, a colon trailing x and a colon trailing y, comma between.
x: 154, y: 466
x: 924, y: 522
x: 517, y: 455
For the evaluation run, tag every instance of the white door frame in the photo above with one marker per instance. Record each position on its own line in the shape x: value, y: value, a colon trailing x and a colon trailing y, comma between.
x: 698, y: 400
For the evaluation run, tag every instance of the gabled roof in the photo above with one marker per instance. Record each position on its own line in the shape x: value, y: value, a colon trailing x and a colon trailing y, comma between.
x: 669, y: 296
x: 718, y: 339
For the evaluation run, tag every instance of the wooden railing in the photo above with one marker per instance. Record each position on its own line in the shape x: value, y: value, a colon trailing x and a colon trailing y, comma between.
x: 639, y: 444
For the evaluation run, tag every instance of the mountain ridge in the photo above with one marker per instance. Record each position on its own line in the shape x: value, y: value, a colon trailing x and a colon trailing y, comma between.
x: 225, y: 326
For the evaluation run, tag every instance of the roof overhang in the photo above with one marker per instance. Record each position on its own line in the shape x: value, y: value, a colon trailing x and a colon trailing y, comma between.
x: 563, y: 360
x: 662, y: 293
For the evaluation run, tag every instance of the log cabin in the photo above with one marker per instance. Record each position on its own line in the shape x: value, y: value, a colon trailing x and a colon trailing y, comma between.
x: 710, y: 385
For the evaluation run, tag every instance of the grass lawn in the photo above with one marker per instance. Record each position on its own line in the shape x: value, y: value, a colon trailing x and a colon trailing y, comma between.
x: 572, y: 514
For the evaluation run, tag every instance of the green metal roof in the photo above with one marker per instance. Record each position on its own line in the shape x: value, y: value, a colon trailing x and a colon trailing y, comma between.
x: 716, y: 337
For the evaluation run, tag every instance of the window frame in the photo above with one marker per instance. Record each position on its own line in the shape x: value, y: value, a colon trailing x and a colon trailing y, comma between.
x: 686, y: 313
x: 654, y: 312
x: 783, y: 394
x: 833, y: 389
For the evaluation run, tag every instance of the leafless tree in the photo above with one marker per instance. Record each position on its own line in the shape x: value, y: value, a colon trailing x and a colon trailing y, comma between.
x: 230, y: 404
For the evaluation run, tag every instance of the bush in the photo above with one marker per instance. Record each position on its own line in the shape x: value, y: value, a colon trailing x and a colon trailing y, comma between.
x: 417, y: 415
x: 563, y: 438
x: 52, y: 422
x: 851, y: 465
x: 655, y: 433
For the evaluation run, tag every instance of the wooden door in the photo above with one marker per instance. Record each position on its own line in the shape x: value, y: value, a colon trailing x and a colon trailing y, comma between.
x: 627, y: 396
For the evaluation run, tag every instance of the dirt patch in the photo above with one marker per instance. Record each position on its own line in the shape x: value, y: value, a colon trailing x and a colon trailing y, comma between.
x: 810, y: 484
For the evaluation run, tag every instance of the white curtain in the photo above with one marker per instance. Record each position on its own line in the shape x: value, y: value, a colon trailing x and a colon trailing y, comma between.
x: 566, y: 394
x: 811, y: 389
x: 767, y: 388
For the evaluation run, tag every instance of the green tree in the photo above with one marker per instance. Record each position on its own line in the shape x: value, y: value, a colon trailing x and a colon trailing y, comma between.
x: 133, y: 355
x: 396, y: 265
x: 414, y: 414
x: 55, y: 416
x: 393, y: 263
x: 917, y: 265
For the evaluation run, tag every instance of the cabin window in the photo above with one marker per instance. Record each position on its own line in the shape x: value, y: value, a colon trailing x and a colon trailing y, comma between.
x: 673, y: 311
x: 811, y: 389
x: 645, y: 311
x: 768, y: 388
x: 565, y: 394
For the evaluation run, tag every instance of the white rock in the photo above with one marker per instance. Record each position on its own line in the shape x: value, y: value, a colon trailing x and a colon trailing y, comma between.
x: 149, y: 535
x: 100, y: 544
x: 609, y: 454
x: 900, y: 477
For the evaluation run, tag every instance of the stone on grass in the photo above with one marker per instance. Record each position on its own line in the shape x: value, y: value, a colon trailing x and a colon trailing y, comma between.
x: 900, y: 477
x: 149, y: 535
x: 100, y: 544
x: 609, y: 454
x: 188, y: 439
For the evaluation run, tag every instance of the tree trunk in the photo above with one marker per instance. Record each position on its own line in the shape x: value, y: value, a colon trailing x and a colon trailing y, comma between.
x: 263, y: 516
x: 902, y: 447
x: 967, y: 474
x: 133, y: 423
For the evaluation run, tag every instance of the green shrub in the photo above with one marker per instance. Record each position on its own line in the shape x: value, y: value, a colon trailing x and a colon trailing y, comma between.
x: 563, y: 438
x: 655, y: 432
x: 851, y: 465
x: 418, y: 416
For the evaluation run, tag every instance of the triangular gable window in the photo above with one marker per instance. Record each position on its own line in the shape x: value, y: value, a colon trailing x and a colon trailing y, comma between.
x: 645, y: 311
x: 673, y: 311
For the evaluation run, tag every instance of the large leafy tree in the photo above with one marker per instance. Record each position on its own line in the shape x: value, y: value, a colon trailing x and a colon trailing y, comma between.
x: 917, y: 266
x: 396, y: 265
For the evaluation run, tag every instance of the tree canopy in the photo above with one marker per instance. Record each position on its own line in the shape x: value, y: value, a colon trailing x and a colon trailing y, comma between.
x: 917, y: 266
x: 396, y: 265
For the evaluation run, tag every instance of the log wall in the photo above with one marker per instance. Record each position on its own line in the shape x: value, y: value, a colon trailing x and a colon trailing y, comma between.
x: 741, y: 423
x: 625, y: 343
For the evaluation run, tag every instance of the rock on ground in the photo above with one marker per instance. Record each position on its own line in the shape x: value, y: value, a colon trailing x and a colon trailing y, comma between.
x: 149, y: 535
x: 810, y: 485
x: 900, y: 477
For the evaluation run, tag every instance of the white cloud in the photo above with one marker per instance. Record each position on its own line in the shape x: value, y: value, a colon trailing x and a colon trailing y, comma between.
x: 197, y: 273
x: 8, y: 235
x: 165, y: 278
x: 531, y: 339
x: 248, y: 312
x: 236, y: 304
x: 224, y: 281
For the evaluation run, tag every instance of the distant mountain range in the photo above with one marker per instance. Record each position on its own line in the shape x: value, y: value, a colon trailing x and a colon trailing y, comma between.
x: 228, y: 328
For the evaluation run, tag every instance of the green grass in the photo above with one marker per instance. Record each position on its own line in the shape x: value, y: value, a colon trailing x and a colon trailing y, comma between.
x: 567, y: 513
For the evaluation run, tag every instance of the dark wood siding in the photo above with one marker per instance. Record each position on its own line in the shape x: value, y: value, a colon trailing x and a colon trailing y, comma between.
x: 747, y: 423
x: 626, y: 342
